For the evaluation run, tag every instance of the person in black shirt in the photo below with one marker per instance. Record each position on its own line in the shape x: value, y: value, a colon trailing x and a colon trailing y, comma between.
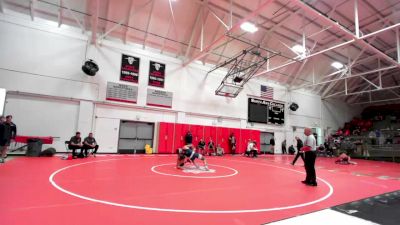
x: 201, y: 146
x: 188, y: 138
x: 90, y: 143
x: 8, y: 131
x: 299, y: 146
x: 76, y: 143
x: 272, y: 143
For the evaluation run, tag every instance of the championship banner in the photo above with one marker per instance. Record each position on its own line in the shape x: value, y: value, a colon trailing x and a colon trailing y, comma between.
x: 130, y: 68
x: 156, y: 74
x: 159, y: 98
x: 121, y: 92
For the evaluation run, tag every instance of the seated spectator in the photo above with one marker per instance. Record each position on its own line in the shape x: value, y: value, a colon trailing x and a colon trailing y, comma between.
x: 201, y: 146
x: 344, y: 159
x: 90, y: 143
x: 321, y: 151
x: 291, y: 150
x: 254, y: 151
x: 251, y: 149
x: 211, y: 147
x: 220, y: 150
x: 75, y: 143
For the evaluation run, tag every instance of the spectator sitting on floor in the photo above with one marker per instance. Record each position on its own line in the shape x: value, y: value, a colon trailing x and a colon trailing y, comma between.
x: 220, y: 150
x: 344, y: 159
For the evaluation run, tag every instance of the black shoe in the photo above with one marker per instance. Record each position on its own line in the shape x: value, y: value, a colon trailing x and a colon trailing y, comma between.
x: 304, y: 182
x: 312, y: 184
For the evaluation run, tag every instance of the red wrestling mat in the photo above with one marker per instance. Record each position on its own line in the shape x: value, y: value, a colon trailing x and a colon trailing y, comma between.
x: 149, y: 190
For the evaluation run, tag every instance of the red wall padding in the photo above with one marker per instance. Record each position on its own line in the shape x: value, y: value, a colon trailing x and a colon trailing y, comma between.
x: 171, y: 136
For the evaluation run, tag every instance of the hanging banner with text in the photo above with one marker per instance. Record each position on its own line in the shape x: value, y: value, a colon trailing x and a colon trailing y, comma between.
x: 121, y: 92
x: 156, y: 74
x: 130, y: 68
x: 159, y: 98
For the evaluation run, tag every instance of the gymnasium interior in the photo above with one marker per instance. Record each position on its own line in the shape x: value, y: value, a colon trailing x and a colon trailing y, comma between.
x: 219, y: 112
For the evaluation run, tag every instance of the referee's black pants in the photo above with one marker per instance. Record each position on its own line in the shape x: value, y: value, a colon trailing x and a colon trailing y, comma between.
x: 309, y: 162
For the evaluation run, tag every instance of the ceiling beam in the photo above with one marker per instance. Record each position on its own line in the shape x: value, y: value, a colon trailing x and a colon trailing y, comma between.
x: 359, y: 40
x: 94, y: 20
x: 376, y: 101
x: 132, y: 11
x: 205, y: 51
x: 148, y: 24
x: 60, y: 13
x: 165, y: 40
x: 32, y: 6
x: 347, y: 77
x: 193, y: 31
x: 128, y: 20
x: 75, y: 17
x: 1, y: 6
x: 214, y: 37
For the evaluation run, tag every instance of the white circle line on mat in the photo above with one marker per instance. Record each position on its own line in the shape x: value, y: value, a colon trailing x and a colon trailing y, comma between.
x: 51, y: 180
x: 190, y: 176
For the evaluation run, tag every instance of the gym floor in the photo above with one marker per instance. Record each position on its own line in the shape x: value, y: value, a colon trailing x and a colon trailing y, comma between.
x: 148, y: 189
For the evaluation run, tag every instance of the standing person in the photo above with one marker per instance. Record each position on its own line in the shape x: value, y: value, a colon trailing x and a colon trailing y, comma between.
x: 90, y: 143
x: 299, y: 153
x: 188, y: 138
x: 272, y: 143
x: 232, y: 143
x: 2, y: 119
x: 309, y: 149
x: 284, y: 147
x: 8, y: 131
x: 75, y: 143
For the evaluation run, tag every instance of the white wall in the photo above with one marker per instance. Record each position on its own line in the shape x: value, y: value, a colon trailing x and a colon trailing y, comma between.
x: 46, y: 60
x: 37, y: 116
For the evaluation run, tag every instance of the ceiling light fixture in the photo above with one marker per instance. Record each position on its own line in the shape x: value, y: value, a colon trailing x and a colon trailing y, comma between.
x: 249, y: 27
x: 298, y: 49
x: 337, y: 65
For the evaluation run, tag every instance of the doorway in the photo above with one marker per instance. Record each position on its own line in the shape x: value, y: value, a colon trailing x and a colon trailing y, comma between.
x: 265, y: 139
x: 133, y: 136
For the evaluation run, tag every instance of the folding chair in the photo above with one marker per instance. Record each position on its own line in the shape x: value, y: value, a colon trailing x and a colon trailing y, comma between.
x: 91, y: 151
x: 67, y: 156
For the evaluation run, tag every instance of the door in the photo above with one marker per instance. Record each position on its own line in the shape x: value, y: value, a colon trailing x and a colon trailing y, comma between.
x: 133, y: 136
x: 265, y: 138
